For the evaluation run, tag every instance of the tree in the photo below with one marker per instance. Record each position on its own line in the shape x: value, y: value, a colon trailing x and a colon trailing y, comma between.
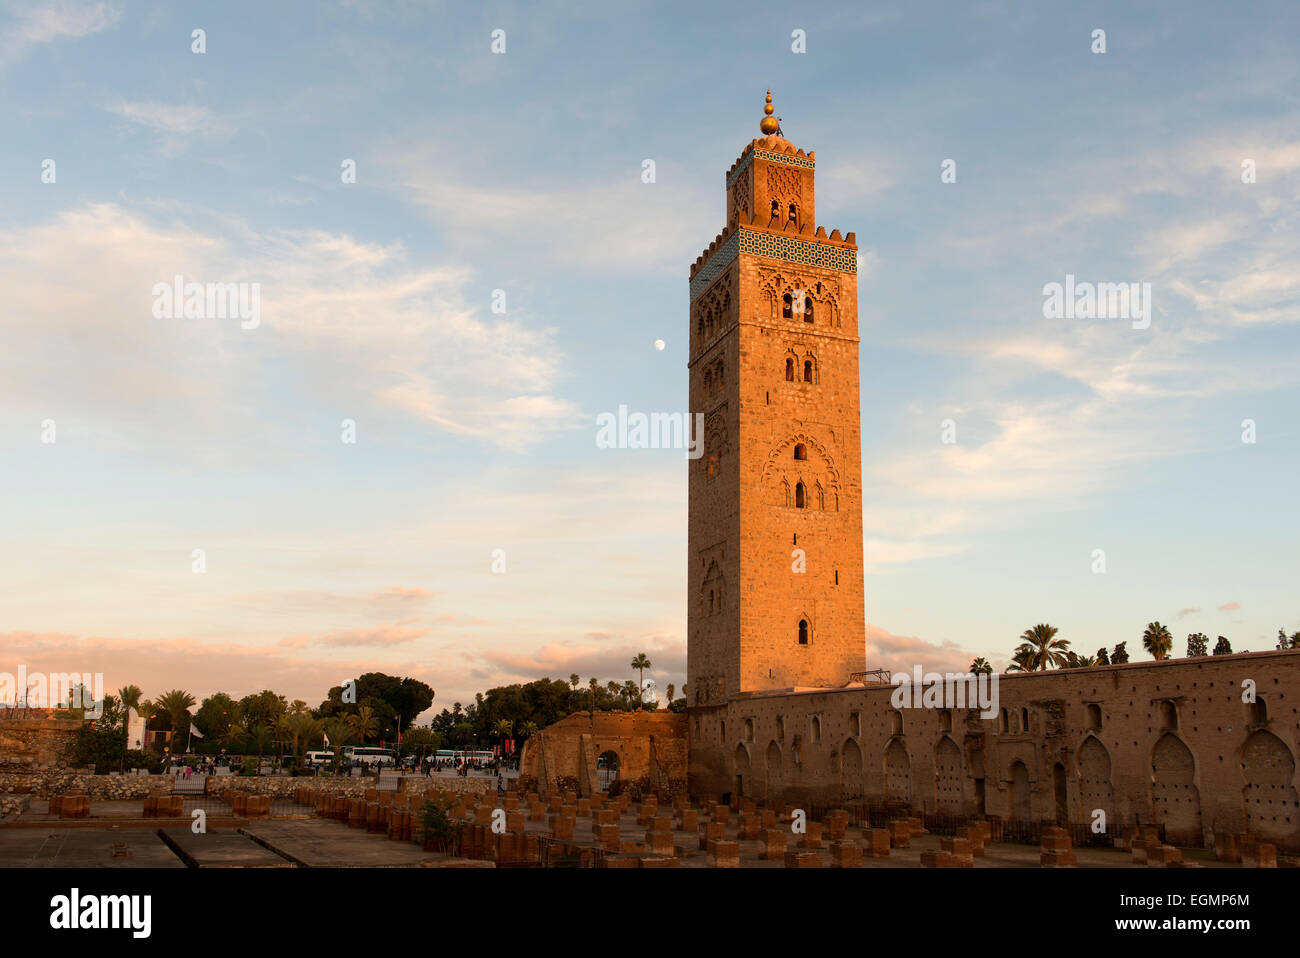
x: 129, y: 696
x: 1103, y: 657
x: 1223, y: 646
x: 594, y: 685
x: 363, y: 723
x: 1120, y: 654
x: 641, y: 663
x: 177, y: 704
x: 301, y: 727
x: 262, y: 736
x: 1288, y: 642
x: 1198, y: 644
x: 146, y: 710
x: 1022, y: 658
x: 1075, y: 661
x: 1046, y: 649
x: 1157, y: 640
x: 339, y: 734
x: 671, y: 689
x: 215, y: 715
x: 980, y: 665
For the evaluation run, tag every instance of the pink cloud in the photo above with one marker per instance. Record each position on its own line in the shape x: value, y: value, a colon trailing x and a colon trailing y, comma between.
x: 403, y: 592
x: 901, y: 653
x: 1230, y: 607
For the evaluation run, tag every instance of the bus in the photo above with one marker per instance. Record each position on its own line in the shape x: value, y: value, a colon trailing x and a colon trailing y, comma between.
x: 456, y: 756
x: 369, y: 755
x: 318, y: 758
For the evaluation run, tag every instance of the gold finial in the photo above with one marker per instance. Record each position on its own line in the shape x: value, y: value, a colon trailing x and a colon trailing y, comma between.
x: 769, y: 125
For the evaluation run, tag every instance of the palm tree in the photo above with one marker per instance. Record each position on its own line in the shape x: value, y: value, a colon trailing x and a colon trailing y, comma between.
x: 301, y: 726
x: 364, y: 724
x: 631, y: 693
x: 146, y: 710
x: 1157, y: 640
x: 528, y: 729
x: 502, y: 730
x: 177, y: 704
x: 671, y: 688
x: 262, y: 736
x: 641, y: 663
x: 129, y: 696
x: 594, y: 684
x: 1022, y: 658
x: 1047, y: 649
x: 339, y: 732
x: 979, y: 665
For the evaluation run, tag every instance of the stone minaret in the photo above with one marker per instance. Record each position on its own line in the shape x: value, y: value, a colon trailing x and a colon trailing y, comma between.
x: 774, y: 369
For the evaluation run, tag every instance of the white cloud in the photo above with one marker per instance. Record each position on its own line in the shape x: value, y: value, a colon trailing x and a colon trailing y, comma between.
x: 353, y: 319
x: 31, y: 24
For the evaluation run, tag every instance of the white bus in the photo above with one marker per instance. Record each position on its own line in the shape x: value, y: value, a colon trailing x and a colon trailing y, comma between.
x: 318, y: 758
x: 370, y: 755
x: 462, y: 755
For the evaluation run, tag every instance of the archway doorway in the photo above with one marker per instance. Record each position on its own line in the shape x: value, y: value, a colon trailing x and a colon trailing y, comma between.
x: 742, y: 771
x: 851, y: 781
x: 607, y: 765
x: 775, y: 781
x: 1174, y: 796
x: 1019, y: 809
x: 1269, y: 797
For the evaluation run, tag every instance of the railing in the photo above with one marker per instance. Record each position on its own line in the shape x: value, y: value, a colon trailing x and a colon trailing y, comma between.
x: 872, y: 677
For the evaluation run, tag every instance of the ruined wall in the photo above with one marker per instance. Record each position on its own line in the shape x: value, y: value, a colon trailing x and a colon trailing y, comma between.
x: 1168, y: 743
x: 651, y: 747
x: 33, y: 743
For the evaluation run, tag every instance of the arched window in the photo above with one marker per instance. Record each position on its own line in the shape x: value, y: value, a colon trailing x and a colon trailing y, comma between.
x: 803, y: 631
x: 1094, y: 717
x: 799, y: 495
x: 792, y: 213
x: 807, y: 370
x: 800, y: 451
x: 1168, y: 716
x: 1258, y: 710
x: 776, y: 209
x: 1024, y: 720
x: 808, y: 310
x: 787, y: 306
x: 816, y: 730
x: 789, y: 370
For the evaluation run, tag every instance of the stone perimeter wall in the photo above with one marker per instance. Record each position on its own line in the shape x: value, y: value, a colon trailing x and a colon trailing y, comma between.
x: 1166, y: 743
x: 129, y: 787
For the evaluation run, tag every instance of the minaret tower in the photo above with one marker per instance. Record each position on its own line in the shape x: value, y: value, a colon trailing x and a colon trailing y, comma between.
x: 775, y: 577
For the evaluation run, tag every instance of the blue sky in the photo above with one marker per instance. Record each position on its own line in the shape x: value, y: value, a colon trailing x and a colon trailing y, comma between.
x: 475, y: 430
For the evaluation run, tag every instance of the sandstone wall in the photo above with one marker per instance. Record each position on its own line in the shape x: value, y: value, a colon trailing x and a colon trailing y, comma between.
x: 1167, y: 743
x: 651, y: 747
x: 35, y: 743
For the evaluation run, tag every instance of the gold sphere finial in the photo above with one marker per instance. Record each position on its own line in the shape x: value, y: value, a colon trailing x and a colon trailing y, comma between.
x: 769, y: 125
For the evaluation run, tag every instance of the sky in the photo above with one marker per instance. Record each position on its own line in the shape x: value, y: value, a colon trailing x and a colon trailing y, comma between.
x: 498, y: 275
